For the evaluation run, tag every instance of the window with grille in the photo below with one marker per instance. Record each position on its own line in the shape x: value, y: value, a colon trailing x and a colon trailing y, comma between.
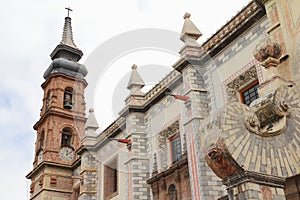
x: 250, y: 94
x: 176, y: 148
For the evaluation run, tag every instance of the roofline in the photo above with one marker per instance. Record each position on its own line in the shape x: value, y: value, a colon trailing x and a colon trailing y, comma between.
x: 241, y: 22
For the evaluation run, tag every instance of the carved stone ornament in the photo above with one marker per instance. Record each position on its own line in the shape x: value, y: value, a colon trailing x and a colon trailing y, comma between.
x: 220, y: 161
x: 268, y: 52
x: 168, y: 132
x: 270, y: 113
x: 233, y: 88
x: 162, y: 142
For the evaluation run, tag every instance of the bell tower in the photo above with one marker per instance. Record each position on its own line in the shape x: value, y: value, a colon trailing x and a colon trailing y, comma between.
x: 61, y: 122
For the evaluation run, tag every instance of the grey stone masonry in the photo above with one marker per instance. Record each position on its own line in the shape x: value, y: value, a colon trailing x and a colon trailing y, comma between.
x: 89, y: 173
x: 138, y: 163
x: 204, y: 184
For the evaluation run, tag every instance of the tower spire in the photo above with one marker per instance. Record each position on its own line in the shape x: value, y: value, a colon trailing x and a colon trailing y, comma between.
x: 66, y: 55
x: 67, y: 37
x: 67, y: 48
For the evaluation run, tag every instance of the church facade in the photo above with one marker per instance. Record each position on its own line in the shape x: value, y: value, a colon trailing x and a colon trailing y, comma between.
x: 223, y: 124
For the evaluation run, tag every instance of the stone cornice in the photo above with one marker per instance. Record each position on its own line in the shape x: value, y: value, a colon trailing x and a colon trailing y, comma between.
x: 169, y: 171
x: 254, y: 177
x: 232, y: 26
x: 57, y: 113
x: 45, y: 164
x: 64, y: 76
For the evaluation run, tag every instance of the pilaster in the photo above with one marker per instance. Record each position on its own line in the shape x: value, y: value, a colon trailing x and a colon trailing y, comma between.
x: 89, y: 174
x: 204, y: 184
x: 138, y: 163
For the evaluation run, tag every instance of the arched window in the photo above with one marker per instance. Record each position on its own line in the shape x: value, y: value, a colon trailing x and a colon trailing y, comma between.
x: 66, y: 138
x: 172, y: 193
x: 68, y: 98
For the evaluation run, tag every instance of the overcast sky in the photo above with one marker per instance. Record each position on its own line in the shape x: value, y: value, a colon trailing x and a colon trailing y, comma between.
x: 31, y: 29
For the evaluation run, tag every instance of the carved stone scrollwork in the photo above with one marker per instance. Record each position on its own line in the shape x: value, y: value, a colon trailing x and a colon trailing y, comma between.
x: 270, y: 112
x: 239, y: 83
x: 162, y: 142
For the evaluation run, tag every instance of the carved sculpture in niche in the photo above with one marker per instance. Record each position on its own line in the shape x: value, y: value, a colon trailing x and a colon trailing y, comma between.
x: 220, y: 161
x: 172, y: 192
x: 269, y: 113
x: 162, y: 143
x: 234, y: 87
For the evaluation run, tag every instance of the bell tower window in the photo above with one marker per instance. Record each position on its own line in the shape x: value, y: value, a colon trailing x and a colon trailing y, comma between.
x: 66, y: 139
x: 48, y: 100
x: 42, y: 138
x: 68, y: 99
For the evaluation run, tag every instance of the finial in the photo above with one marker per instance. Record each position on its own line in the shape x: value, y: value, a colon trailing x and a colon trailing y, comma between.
x: 91, y: 122
x: 134, y: 67
x: 135, y: 83
x: 186, y: 15
x: 68, y: 9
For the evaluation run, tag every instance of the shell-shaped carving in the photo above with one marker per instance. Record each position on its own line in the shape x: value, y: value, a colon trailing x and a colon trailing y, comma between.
x: 277, y: 155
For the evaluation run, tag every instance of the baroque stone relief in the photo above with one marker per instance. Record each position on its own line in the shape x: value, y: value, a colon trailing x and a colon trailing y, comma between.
x: 234, y: 87
x: 267, y: 52
x: 220, y: 161
x: 233, y: 142
x: 162, y: 143
x: 270, y: 113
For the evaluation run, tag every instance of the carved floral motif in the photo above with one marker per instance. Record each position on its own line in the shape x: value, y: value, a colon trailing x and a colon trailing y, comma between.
x: 239, y: 83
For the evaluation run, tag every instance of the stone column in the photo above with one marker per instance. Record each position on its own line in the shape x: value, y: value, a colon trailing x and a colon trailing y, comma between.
x: 204, y: 183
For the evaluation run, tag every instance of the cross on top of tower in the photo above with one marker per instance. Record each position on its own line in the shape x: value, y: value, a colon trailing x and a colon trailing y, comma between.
x: 68, y: 9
